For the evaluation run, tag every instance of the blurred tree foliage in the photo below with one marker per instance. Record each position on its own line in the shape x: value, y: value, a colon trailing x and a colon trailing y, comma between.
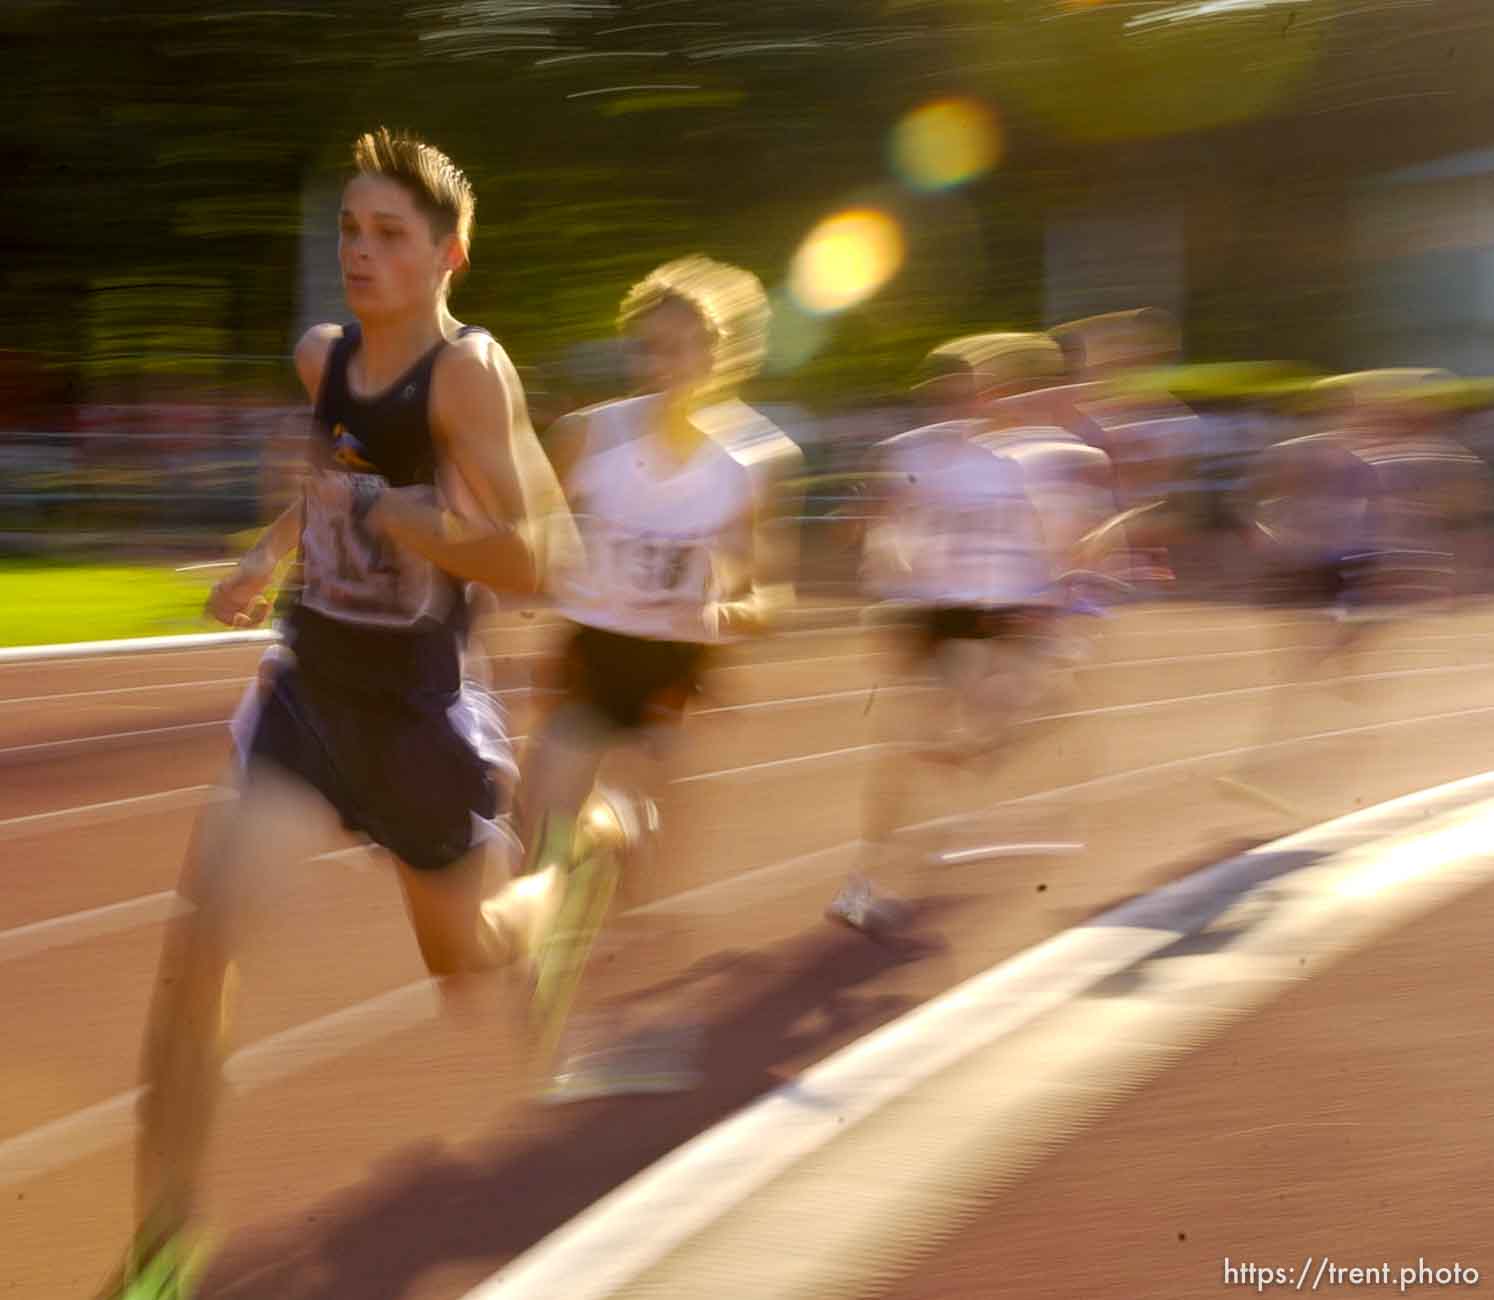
x: 158, y: 153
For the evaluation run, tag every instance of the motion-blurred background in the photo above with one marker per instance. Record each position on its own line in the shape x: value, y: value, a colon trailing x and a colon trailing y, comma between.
x: 1302, y: 179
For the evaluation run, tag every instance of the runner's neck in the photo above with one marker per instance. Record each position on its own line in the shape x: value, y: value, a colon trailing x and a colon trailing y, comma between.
x: 676, y: 434
x: 389, y: 347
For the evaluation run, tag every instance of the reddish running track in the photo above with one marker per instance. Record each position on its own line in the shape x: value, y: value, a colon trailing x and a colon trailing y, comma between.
x: 378, y: 1151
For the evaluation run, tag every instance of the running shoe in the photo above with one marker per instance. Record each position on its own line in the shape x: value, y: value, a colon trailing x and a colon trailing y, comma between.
x: 859, y: 906
x: 565, y: 946
x: 166, y: 1270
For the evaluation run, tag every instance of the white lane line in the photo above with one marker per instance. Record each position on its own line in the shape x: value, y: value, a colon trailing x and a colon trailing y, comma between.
x: 758, y: 884
x: 820, y: 756
x: 78, y: 927
x: 140, y: 689
x: 87, y: 1132
x: 135, y: 913
x: 1213, y: 656
x: 793, y: 701
x: 338, y: 1034
x: 646, y: 1220
x: 76, y: 650
x: 758, y: 665
x: 77, y: 1136
x: 109, y: 737
x: 90, y: 814
x: 146, y: 687
x: 1304, y: 684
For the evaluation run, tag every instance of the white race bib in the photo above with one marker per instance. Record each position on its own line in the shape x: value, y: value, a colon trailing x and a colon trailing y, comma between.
x: 642, y: 568
x: 349, y: 572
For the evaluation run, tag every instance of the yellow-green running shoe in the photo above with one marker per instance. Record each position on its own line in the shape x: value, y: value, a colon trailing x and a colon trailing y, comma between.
x: 168, y: 1269
x: 565, y: 949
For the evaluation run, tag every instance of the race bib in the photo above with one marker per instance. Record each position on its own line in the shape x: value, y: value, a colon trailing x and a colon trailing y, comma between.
x: 349, y: 572
x: 647, y: 567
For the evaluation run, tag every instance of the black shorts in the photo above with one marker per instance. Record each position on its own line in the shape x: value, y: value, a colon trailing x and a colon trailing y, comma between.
x: 942, y: 623
x: 412, y: 777
x: 1326, y: 584
x: 630, y: 681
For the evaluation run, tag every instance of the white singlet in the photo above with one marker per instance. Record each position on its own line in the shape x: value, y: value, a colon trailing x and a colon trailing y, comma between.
x: 663, y: 543
x: 958, y: 527
x: 1070, y: 483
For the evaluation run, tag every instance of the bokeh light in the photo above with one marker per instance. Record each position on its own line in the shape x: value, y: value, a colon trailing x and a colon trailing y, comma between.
x: 845, y: 259
x: 946, y: 143
x: 796, y: 335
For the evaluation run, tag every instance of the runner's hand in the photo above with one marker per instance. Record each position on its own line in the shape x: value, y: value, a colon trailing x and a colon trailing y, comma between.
x: 237, y: 601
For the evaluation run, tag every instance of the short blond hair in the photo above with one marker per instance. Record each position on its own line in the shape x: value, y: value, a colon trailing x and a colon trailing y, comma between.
x: 438, y: 186
x: 729, y: 301
x: 996, y: 360
x: 1118, y: 338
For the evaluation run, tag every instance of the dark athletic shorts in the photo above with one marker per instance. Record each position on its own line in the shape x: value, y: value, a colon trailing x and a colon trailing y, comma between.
x: 631, y: 681
x: 422, y: 780
x: 942, y: 623
x: 1325, y: 584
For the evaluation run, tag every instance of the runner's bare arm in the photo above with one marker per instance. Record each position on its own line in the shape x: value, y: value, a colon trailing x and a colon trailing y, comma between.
x: 771, y: 552
x: 752, y: 612
x: 235, y: 599
x: 883, y: 557
x: 481, y: 426
x: 565, y: 443
x: 274, y: 544
x: 311, y: 356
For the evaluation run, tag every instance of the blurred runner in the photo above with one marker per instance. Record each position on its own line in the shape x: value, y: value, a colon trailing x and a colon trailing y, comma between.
x: 681, y: 554
x: 1069, y: 480
x: 1149, y: 435
x: 958, y: 553
x: 425, y: 476
x: 1355, y: 525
